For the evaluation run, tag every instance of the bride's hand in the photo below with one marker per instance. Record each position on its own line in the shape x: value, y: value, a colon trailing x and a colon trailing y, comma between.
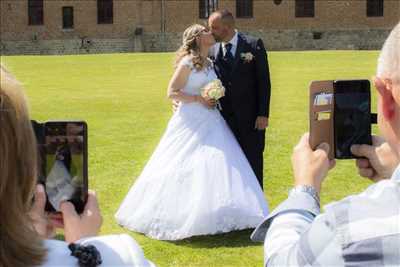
x: 207, y: 102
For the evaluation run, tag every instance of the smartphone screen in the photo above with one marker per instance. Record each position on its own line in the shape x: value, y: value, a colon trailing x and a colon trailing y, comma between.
x: 65, y: 170
x: 352, y: 117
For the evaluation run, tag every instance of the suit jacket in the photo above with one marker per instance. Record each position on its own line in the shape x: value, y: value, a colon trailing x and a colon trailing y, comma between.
x: 247, y: 84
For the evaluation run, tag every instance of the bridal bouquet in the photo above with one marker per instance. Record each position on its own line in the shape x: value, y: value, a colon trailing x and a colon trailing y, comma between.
x: 214, y: 90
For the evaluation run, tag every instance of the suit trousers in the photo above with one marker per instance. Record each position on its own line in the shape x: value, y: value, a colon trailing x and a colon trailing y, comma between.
x: 252, y: 142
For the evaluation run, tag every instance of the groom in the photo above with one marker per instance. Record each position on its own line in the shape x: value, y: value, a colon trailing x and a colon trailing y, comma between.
x: 241, y: 64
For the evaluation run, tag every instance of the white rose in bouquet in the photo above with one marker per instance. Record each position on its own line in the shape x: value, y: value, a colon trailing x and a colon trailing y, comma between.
x: 213, y: 90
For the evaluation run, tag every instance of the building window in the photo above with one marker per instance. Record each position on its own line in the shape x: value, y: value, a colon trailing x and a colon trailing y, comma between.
x: 35, y: 12
x: 244, y: 8
x: 68, y: 17
x: 105, y: 12
x: 305, y: 8
x: 206, y: 7
x: 375, y: 8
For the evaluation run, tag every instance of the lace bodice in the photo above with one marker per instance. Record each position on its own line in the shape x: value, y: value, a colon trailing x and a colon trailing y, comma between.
x: 197, y: 79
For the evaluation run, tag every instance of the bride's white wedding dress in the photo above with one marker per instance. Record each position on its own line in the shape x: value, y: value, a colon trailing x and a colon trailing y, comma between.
x: 198, y: 181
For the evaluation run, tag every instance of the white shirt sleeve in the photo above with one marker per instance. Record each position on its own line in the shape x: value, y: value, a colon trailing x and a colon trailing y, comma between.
x: 297, y: 239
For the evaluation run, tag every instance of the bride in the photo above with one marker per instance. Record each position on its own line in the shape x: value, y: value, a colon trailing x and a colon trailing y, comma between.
x: 198, y: 181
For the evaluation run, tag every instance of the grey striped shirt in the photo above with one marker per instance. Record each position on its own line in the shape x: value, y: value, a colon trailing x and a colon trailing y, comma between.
x: 360, y: 230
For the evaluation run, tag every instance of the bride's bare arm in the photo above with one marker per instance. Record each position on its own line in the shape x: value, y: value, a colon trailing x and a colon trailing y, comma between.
x: 176, y: 84
x: 178, y: 81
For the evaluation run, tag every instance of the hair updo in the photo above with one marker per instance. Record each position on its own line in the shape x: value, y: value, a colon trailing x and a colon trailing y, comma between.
x: 190, y: 46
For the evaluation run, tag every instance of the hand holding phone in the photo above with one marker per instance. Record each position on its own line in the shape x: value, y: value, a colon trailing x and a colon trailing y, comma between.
x: 85, y: 225
x: 63, y: 168
x: 376, y: 162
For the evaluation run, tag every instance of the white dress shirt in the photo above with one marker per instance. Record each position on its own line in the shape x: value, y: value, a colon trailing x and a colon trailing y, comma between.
x: 233, y: 42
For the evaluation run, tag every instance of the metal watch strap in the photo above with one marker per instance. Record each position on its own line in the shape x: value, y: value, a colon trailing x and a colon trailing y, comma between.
x: 306, y: 189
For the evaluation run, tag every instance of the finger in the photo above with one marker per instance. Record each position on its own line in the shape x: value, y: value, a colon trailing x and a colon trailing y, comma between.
x: 362, y: 150
x: 303, y: 141
x: 40, y: 199
x: 92, y: 203
x: 265, y: 124
x: 261, y: 127
x: 363, y: 163
x: 377, y: 140
x: 305, y: 138
x: 366, y: 172
x: 68, y: 211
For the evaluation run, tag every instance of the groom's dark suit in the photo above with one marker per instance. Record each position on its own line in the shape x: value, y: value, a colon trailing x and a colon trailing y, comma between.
x: 247, y: 95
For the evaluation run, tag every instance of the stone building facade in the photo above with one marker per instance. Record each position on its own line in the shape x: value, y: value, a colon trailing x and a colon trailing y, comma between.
x: 96, y: 26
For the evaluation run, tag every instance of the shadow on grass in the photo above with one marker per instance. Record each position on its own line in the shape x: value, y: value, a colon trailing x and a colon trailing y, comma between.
x: 230, y: 240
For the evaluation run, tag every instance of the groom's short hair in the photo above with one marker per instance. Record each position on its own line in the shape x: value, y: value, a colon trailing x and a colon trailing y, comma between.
x: 226, y: 17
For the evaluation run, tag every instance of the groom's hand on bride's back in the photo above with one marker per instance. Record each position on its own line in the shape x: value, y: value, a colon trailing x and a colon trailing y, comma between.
x: 175, y: 105
x: 209, y: 103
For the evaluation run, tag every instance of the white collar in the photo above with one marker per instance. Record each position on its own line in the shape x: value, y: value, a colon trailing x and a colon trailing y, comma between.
x: 233, y: 41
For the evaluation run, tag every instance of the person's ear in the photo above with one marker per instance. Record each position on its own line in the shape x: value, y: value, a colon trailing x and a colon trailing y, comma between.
x: 385, y: 90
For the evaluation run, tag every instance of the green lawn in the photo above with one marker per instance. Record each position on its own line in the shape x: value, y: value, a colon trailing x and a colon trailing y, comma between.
x: 123, y: 99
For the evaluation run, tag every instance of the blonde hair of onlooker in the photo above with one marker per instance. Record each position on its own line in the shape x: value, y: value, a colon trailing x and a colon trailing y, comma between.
x: 389, y: 59
x: 20, y: 244
x: 190, y: 46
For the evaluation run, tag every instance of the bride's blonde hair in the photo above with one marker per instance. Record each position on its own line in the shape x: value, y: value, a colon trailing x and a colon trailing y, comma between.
x: 190, y: 46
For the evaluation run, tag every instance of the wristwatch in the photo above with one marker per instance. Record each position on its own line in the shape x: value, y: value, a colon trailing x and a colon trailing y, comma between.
x: 306, y: 189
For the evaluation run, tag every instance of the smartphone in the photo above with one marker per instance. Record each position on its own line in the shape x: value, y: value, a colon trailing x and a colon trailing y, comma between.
x: 352, y: 116
x: 63, y: 167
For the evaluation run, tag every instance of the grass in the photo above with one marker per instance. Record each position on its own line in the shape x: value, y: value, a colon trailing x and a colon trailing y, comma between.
x: 123, y: 99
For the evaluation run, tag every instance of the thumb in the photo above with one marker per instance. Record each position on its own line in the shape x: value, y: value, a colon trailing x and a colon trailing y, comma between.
x: 322, y: 150
x: 362, y: 150
x: 324, y: 146
x: 40, y: 199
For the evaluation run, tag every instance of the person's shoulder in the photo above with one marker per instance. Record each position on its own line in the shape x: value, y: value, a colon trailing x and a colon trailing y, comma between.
x: 57, y: 251
x: 377, y: 201
x: 115, y: 250
x: 187, y: 61
x: 119, y: 249
x: 252, y: 40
